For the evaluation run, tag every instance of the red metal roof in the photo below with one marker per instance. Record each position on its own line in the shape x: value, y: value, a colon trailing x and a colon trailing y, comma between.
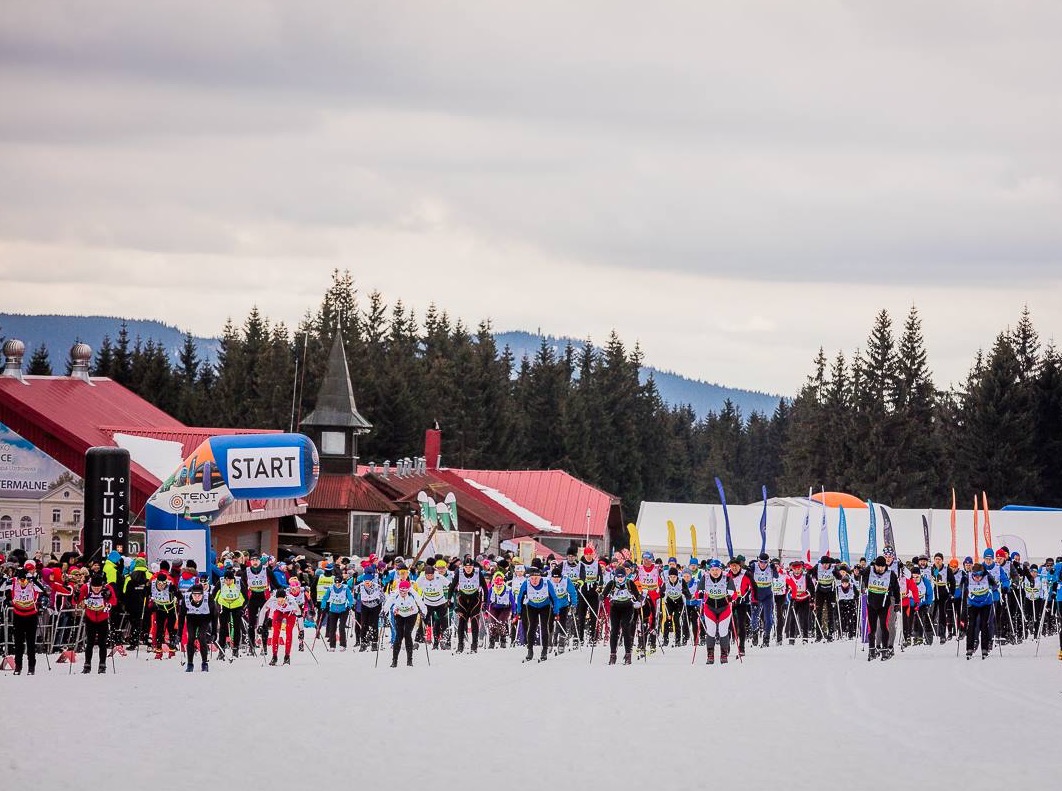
x: 64, y: 417
x: 552, y: 494
x: 348, y: 493
x: 190, y: 438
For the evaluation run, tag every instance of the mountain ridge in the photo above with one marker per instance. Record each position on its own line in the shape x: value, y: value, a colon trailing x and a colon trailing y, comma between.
x: 58, y: 332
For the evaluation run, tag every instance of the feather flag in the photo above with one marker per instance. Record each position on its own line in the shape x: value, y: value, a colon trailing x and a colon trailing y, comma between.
x: 451, y: 505
x: 977, y: 539
x: 726, y: 518
x: 872, y: 534
x: 428, y: 512
x: 635, y: 543
x: 842, y: 537
x: 886, y: 530
x: 805, y: 536
x: 672, y: 544
x: 954, y: 514
x: 925, y: 533
x: 714, y: 533
x: 987, y: 525
x: 824, y: 535
x: 693, y: 539
x: 763, y: 523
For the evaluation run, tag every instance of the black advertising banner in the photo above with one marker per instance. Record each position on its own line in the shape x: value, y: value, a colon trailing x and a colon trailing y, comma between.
x: 106, y: 502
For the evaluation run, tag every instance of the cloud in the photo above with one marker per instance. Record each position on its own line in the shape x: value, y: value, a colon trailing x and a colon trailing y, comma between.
x: 569, y: 166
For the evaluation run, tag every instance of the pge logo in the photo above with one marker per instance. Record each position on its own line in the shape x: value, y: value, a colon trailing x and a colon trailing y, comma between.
x: 177, y: 502
x: 173, y: 548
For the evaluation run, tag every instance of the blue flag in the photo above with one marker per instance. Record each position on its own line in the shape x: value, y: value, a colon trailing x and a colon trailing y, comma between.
x: 726, y: 518
x: 763, y: 523
x: 872, y: 535
x: 842, y: 537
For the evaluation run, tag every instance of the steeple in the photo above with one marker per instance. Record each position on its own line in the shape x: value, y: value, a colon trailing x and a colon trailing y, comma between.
x: 335, y: 423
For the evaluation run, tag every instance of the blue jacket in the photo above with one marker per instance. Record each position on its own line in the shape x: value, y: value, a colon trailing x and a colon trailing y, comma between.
x: 551, y: 600
x: 346, y: 598
x: 986, y: 598
x: 565, y: 592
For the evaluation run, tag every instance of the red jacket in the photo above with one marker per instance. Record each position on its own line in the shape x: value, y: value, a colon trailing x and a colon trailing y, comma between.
x: 909, y: 593
x: 794, y: 592
x: 97, y: 605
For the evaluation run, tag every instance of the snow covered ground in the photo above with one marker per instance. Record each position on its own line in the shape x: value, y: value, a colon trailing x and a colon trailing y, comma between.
x: 489, y: 721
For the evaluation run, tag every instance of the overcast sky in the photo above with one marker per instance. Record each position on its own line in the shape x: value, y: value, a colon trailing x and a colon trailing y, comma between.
x: 730, y: 184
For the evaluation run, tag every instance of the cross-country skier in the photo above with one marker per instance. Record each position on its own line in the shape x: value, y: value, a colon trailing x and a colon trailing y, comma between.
x: 402, y: 607
x: 742, y: 599
x: 763, y: 574
x: 336, y: 605
x: 281, y: 612
x: 649, y: 582
x: 230, y: 599
x: 96, y: 598
x: 588, y: 584
x: 979, y: 591
x: 718, y: 591
x: 297, y: 596
x: 565, y: 594
x: 23, y: 593
x: 675, y: 596
x: 943, y: 579
x: 500, y: 601
x: 623, y: 597
x: 256, y: 581
x: 537, y: 601
x: 468, y: 592
x: 799, y: 591
x: 435, y: 592
x: 198, y: 615
x: 162, y: 606
x: 370, y: 597
x: 847, y: 595
x: 825, y: 609
x: 883, y: 592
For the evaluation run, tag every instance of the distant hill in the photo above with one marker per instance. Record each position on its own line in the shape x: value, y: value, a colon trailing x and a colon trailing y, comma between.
x: 59, y: 333
x: 674, y: 388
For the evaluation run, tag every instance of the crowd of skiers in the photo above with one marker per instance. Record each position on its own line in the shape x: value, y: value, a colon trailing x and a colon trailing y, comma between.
x: 250, y: 602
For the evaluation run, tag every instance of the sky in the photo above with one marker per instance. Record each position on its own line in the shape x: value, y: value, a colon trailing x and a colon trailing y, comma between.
x: 730, y: 184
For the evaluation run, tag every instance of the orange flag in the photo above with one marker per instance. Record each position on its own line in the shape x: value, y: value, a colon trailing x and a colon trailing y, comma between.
x: 977, y: 539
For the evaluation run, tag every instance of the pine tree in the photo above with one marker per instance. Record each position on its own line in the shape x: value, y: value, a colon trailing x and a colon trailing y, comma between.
x: 1048, y: 432
x: 40, y: 364
x: 915, y: 432
x: 103, y: 364
x: 121, y: 370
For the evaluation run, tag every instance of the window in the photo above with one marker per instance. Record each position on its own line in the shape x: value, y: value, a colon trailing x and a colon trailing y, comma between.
x: 364, y: 533
x: 25, y: 522
x: 334, y: 443
x: 77, y: 516
x: 57, y: 544
x: 57, y: 516
x: 5, y: 522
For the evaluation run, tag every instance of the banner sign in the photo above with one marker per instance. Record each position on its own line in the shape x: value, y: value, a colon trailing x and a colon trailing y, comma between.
x: 106, y: 502
x: 227, y: 468
x: 26, y: 471
x: 13, y: 534
x: 177, y: 545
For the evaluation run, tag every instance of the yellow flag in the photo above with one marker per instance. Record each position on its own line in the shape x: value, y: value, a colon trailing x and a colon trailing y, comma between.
x: 672, y: 543
x: 636, y: 544
x: 693, y: 540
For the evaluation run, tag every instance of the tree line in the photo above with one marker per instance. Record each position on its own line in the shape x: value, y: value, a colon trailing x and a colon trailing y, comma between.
x: 873, y: 424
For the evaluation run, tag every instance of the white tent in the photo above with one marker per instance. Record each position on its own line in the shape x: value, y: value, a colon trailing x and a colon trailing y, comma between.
x: 1039, y: 531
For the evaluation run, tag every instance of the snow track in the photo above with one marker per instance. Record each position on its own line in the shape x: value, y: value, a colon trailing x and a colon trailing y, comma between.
x: 793, y: 712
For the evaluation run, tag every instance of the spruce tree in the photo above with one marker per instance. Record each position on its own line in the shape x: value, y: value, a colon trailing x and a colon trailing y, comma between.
x: 40, y: 364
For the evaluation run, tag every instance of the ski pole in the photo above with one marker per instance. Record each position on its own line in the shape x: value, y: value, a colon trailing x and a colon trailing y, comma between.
x: 696, y: 640
x: 733, y: 632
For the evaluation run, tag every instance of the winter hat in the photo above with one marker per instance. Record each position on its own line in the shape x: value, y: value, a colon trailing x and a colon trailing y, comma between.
x: 556, y: 572
x: 733, y: 562
x: 293, y: 583
x: 30, y: 566
x: 535, y: 571
x: 938, y: 555
x: 197, y: 588
x: 953, y: 563
x: 988, y: 553
x: 229, y: 574
x: 978, y: 569
x: 880, y: 561
x: 440, y: 564
x: 588, y: 550
x: 672, y: 560
x: 281, y: 593
x: 763, y: 556
x: 190, y: 564
x: 672, y: 572
x: 98, y: 581
x: 113, y: 556
x: 715, y: 563
x: 967, y: 559
x: 404, y: 585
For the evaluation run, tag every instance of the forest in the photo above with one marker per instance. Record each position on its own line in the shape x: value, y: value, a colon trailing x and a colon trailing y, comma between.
x: 873, y: 423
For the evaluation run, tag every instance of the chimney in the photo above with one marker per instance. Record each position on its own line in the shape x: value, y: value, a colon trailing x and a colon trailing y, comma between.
x: 80, y: 355
x: 386, y: 468
x: 14, y: 350
x: 433, y: 447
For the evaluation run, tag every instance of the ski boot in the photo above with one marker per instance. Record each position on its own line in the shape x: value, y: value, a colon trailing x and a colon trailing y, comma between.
x: 627, y: 658
x: 792, y: 641
x: 102, y: 669
x: 361, y: 649
x: 756, y: 638
x: 204, y: 667
x: 984, y: 654
x: 503, y: 642
x: 711, y: 657
x: 302, y: 644
x: 969, y: 655
x: 543, y: 658
x: 409, y: 661
x: 158, y: 654
x: 529, y: 658
x: 723, y: 657
x: 18, y: 670
x: 886, y: 654
x: 86, y: 669
x: 766, y: 642
x: 612, y: 658
x: 394, y: 661
x: 287, y: 659
x: 872, y: 654
x: 188, y: 668
x: 273, y: 661
x: 472, y: 650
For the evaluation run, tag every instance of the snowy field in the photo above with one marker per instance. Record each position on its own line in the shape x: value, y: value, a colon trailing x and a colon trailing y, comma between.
x: 796, y: 713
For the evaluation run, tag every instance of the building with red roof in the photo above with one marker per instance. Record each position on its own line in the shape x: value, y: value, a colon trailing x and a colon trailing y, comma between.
x: 64, y: 416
